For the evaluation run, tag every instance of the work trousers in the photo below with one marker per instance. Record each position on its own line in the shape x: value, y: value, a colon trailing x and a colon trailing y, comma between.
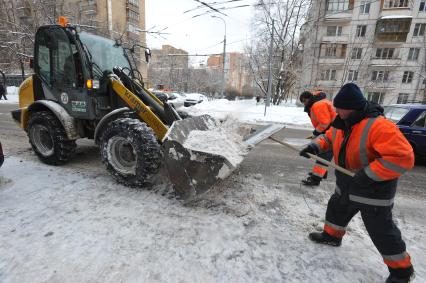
x: 320, y: 169
x: 380, y: 226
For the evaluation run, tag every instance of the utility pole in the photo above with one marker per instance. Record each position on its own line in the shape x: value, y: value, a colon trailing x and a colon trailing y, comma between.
x: 224, y: 59
x: 223, y: 71
x: 268, y: 94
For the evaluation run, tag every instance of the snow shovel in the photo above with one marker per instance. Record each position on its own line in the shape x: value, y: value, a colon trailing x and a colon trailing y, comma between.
x: 192, y: 162
x: 315, y: 157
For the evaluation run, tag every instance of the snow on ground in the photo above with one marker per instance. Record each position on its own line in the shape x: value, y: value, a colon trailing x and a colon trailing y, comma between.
x: 62, y: 224
x: 249, y: 111
x: 79, y: 226
x: 12, y: 95
x: 243, y: 110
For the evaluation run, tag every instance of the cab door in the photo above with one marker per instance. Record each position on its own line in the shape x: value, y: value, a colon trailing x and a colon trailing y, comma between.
x: 55, y: 67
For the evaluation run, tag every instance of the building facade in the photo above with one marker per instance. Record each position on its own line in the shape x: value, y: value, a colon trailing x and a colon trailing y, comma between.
x: 123, y: 19
x: 237, y: 75
x: 379, y: 45
x: 168, y: 68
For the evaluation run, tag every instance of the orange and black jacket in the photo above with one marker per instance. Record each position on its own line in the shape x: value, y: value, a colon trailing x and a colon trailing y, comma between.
x: 321, y: 112
x: 368, y: 142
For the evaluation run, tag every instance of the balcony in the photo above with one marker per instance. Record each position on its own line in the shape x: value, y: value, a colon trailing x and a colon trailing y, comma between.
x: 392, y: 28
x: 329, y: 84
x: 396, y: 5
x: 335, y: 39
x: 331, y: 60
x: 399, y: 12
x: 343, y: 16
x: 380, y: 62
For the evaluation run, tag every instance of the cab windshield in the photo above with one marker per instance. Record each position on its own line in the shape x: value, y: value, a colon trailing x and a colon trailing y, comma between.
x: 105, y: 53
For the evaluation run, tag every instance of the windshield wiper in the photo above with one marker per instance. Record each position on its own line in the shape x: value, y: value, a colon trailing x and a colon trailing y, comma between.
x: 92, y: 63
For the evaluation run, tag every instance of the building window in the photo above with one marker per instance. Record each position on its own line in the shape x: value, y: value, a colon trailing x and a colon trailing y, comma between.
x: 385, y: 53
x: 134, y: 2
x: 413, y: 54
x: 407, y: 77
x: 376, y: 97
x: 333, y: 50
x: 364, y: 7
x: 360, y: 31
x: 380, y: 76
x: 337, y: 5
x: 334, y: 31
x: 396, y: 4
x: 422, y: 7
x: 352, y: 75
x: 402, y: 98
x: 133, y: 15
x: 356, y: 53
x: 419, y: 30
x: 328, y: 75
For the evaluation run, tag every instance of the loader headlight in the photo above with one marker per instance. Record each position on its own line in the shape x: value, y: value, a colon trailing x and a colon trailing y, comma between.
x: 92, y: 84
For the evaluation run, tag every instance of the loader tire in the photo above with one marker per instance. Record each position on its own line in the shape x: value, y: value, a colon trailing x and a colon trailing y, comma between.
x: 48, y: 138
x: 130, y: 152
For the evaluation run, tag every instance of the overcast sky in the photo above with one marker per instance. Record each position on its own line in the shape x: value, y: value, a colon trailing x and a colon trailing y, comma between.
x: 199, y: 35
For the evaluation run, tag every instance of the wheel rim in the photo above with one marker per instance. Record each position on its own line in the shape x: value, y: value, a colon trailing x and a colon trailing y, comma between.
x: 42, y: 139
x: 121, y: 155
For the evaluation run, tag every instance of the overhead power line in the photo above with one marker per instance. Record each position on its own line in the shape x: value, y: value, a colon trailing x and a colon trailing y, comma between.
x: 210, y: 7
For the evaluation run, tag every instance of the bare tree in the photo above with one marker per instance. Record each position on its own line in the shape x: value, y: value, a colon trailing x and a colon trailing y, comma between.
x: 289, y: 16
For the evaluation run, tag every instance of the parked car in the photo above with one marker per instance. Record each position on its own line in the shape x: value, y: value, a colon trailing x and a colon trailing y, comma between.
x: 161, y: 95
x: 194, y: 98
x: 176, y: 99
x: 411, y: 120
x: 1, y: 155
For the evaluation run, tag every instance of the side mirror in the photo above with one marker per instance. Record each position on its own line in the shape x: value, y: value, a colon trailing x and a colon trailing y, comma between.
x: 147, y: 54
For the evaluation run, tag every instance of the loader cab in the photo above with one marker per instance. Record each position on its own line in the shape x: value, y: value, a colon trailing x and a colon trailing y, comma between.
x: 59, y: 69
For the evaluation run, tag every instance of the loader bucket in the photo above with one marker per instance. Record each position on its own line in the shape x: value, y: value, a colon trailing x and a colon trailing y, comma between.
x: 200, y: 151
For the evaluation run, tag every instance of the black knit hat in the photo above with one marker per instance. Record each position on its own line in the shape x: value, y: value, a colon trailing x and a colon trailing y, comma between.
x: 305, y: 95
x: 349, y: 97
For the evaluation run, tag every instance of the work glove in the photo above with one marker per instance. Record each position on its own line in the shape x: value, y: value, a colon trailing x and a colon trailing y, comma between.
x: 312, y: 149
x: 361, y: 179
x: 315, y: 133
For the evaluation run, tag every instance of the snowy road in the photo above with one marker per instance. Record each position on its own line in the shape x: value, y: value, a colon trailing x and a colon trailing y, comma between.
x: 74, y: 224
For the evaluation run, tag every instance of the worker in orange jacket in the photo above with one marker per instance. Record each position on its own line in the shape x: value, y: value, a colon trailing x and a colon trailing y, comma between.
x: 322, y: 113
x: 364, y: 142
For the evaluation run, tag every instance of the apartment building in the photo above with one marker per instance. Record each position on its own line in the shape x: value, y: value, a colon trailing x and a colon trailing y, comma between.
x: 380, y: 45
x: 123, y: 19
x: 236, y: 71
x: 168, y: 68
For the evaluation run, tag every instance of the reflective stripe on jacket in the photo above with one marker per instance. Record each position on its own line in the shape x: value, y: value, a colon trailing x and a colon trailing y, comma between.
x: 377, y: 146
x: 322, y: 114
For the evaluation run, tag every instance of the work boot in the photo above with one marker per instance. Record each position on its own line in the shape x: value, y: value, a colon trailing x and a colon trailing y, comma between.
x: 312, y: 181
x: 324, y: 238
x: 405, y: 275
x: 324, y: 177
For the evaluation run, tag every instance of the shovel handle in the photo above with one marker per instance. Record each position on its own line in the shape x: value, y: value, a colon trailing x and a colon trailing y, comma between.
x: 317, y: 158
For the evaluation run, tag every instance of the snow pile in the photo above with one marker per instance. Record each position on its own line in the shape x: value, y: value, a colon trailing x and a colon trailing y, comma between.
x: 249, y: 111
x: 220, y: 139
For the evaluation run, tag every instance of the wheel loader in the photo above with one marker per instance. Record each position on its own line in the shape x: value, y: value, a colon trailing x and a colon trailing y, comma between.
x: 86, y: 86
